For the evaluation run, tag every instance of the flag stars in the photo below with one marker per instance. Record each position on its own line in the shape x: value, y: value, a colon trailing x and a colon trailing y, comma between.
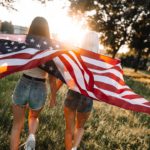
x: 32, y: 40
x: 38, y: 45
x: 57, y: 46
x: 12, y: 43
x: 45, y: 43
x: 51, y: 68
x: 9, y: 50
x: 43, y: 65
x: 51, y: 48
x: 23, y: 47
x: 5, y: 43
x: 15, y: 47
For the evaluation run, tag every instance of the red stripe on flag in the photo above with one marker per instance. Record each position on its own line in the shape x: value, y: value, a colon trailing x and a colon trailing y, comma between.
x: 120, y: 103
x: 112, y: 76
x: 96, y: 56
x: 91, y: 66
x: 131, y: 96
x: 147, y: 103
x: 91, y: 79
x: 72, y: 73
x: 110, y: 88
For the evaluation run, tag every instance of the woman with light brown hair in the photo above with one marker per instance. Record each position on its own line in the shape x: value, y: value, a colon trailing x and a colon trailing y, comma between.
x: 77, y: 107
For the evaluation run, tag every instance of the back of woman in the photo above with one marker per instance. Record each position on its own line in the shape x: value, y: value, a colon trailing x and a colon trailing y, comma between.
x: 77, y: 107
x: 31, y: 91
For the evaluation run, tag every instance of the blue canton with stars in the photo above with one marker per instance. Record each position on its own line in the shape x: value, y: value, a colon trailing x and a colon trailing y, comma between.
x: 40, y: 43
x: 7, y: 46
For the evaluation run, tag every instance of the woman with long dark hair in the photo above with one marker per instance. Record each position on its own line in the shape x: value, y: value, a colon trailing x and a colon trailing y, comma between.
x: 30, y: 92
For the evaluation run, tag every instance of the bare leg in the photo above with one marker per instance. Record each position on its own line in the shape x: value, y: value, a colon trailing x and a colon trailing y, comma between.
x: 79, y: 128
x: 33, y: 123
x: 33, y: 120
x: 18, y: 122
x: 70, y: 120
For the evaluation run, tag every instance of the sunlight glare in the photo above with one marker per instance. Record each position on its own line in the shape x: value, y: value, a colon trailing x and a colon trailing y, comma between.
x: 67, y: 29
x: 61, y: 25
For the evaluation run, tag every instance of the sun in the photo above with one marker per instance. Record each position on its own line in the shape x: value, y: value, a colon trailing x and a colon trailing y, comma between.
x: 62, y: 27
x: 67, y: 30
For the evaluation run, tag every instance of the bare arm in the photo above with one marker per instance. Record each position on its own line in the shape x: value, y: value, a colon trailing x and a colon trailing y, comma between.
x: 55, y: 85
x: 59, y: 83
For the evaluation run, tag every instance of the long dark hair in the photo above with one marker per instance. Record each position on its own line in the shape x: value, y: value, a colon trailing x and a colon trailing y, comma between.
x: 39, y: 27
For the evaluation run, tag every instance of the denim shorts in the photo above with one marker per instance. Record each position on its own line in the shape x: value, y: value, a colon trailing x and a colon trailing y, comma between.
x: 78, y: 102
x: 31, y: 92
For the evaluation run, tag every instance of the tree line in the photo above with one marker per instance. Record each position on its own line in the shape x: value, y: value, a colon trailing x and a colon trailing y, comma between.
x: 120, y: 22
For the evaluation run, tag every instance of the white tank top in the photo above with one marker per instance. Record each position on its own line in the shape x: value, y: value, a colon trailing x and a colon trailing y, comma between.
x: 90, y: 42
x: 36, y: 73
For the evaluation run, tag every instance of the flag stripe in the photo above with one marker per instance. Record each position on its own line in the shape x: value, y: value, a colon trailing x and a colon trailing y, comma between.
x: 123, y: 104
x: 111, y: 76
x: 110, y: 87
x: 132, y: 96
x: 87, y: 74
x: 81, y: 68
x: 69, y: 67
x: 108, y: 80
x: 98, y: 57
x: 113, y: 94
x: 22, y: 54
x: 114, y: 71
x: 100, y: 67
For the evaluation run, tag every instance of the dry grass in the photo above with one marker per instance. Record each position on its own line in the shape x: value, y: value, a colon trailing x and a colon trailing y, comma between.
x: 137, y: 76
x: 108, y: 128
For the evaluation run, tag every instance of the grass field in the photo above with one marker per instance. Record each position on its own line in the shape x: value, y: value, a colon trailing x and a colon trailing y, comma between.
x: 108, y: 128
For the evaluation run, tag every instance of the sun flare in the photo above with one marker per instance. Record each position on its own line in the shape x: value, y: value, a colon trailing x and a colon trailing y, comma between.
x: 62, y: 26
x: 67, y: 29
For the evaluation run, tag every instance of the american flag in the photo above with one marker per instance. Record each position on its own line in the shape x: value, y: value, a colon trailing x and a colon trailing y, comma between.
x: 97, y: 76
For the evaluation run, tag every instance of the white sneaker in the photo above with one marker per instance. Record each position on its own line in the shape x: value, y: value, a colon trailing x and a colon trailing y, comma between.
x: 74, y: 148
x: 30, y: 143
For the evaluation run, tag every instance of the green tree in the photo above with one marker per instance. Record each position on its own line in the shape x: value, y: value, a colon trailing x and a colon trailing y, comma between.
x: 139, y: 37
x: 7, y: 4
x: 109, y: 19
x: 116, y: 21
x: 7, y: 27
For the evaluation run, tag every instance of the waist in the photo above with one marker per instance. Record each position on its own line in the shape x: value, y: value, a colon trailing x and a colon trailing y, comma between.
x: 33, y: 78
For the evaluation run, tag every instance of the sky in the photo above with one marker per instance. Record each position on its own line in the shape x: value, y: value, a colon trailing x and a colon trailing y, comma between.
x: 65, y: 27
x: 28, y: 9
x: 54, y: 11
